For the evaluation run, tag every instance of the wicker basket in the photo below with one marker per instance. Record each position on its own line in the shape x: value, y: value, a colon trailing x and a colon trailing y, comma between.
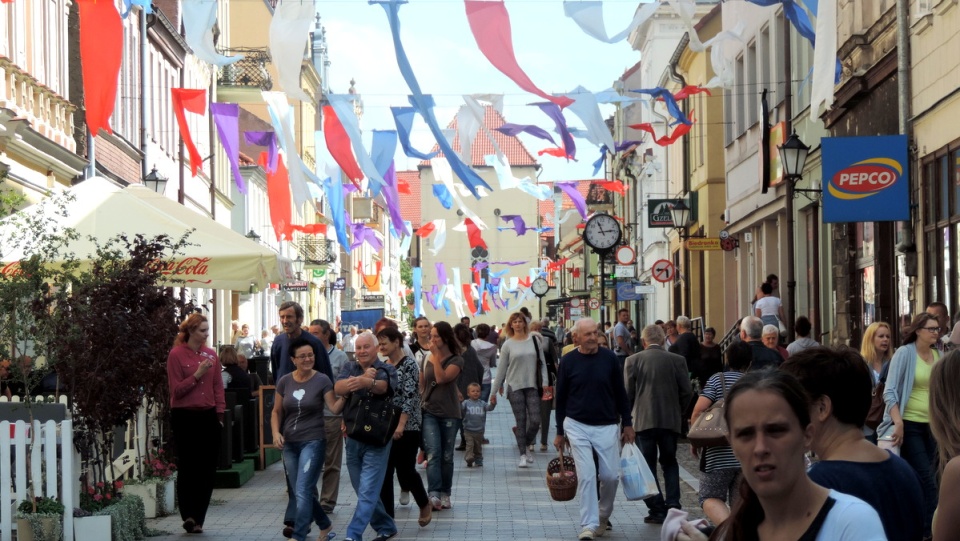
x: 563, y: 487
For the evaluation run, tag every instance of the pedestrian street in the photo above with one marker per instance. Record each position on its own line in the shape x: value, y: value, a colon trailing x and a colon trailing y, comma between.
x: 498, y: 501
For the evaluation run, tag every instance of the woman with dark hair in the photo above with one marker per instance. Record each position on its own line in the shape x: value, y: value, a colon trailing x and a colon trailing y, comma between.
x: 298, y: 431
x: 519, y: 357
x: 406, y: 439
x: 196, y: 415
x: 421, y: 343
x: 720, y: 471
x: 441, y: 411
x: 838, y: 385
x: 768, y: 416
x: 945, y: 425
x: 906, y: 421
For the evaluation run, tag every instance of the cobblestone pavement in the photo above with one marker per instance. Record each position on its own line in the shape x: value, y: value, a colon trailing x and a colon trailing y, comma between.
x: 499, y: 501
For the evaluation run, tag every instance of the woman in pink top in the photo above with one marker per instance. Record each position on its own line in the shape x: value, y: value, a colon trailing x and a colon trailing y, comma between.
x: 196, y: 414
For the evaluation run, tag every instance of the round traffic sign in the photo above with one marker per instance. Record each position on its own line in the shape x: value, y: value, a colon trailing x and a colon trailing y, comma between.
x: 594, y: 303
x: 575, y: 302
x: 625, y: 255
x: 663, y: 271
x: 724, y: 234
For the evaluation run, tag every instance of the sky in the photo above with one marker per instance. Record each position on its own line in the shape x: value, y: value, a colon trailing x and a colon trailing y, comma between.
x: 550, y: 47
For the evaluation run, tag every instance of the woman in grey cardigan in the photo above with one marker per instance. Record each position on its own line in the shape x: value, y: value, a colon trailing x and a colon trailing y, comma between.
x: 517, y: 371
x: 906, y: 421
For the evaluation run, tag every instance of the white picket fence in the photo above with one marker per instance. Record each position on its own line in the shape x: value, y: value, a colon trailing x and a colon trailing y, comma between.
x: 49, y: 476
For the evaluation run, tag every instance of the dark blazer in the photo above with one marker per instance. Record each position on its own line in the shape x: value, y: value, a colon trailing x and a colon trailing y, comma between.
x: 659, y: 386
x: 763, y: 356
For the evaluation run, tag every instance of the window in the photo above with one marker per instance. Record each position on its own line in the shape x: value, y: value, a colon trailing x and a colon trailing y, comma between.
x: 751, y: 87
x: 801, y: 57
x: 763, y: 59
x: 727, y: 117
x: 741, y: 89
x: 941, y: 223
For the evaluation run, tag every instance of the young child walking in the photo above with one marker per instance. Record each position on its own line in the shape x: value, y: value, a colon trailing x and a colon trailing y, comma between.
x: 474, y: 424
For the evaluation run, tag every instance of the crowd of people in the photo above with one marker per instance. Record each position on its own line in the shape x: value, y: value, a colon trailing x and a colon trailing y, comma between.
x: 830, y: 443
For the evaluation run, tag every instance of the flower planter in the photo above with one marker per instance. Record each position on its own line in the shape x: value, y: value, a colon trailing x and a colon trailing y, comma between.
x: 147, y: 493
x: 168, y: 502
x: 96, y: 528
x: 51, y: 529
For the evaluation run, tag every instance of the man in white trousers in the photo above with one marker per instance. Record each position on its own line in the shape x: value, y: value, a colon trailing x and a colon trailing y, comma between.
x: 592, y: 406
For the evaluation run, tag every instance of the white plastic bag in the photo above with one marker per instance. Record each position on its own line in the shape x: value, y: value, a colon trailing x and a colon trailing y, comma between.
x: 635, y: 476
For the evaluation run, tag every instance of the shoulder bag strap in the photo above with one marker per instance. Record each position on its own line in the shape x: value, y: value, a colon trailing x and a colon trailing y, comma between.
x: 723, y: 386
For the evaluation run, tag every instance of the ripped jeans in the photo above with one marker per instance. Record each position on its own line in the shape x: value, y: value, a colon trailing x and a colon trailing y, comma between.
x: 303, y: 461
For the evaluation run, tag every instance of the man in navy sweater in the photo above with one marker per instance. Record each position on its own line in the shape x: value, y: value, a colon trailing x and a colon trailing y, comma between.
x: 592, y: 405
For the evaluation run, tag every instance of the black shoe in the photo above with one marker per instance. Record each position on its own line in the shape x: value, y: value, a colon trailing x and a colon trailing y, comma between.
x: 486, y: 441
x: 384, y: 537
x: 462, y: 446
x: 327, y: 509
x: 288, y: 530
x: 654, y: 518
x: 189, y: 524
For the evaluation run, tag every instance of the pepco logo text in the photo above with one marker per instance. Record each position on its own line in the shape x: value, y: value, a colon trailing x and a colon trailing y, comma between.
x: 865, y: 178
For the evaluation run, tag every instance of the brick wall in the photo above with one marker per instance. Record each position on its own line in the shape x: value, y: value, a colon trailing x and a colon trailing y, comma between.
x: 118, y: 162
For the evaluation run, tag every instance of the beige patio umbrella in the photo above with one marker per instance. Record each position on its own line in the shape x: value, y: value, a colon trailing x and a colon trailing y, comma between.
x: 217, y: 257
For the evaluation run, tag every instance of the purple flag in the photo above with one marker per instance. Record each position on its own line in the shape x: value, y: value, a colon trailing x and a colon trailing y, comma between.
x: 392, y: 198
x: 570, y: 188
x: 441, y: 273
x: 265, y: 139
x: 361, y: 234
x: 508, y: 263
x: 555, y: 114
x: 513, y: 130
x: 226, y: 116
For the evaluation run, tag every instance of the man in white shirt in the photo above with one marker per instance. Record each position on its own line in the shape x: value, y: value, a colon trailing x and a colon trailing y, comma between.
x: 349, y: 346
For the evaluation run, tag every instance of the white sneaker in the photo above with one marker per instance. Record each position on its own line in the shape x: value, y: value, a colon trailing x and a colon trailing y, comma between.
x: 404, y: 497
x: 523, y: 461
x: 529, y: 459
x: 529, y: 448
x: 586, y: 534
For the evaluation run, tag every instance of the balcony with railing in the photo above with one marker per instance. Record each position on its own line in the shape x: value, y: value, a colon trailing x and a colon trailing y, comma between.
x: 250, y: 72
x: 316, y: 251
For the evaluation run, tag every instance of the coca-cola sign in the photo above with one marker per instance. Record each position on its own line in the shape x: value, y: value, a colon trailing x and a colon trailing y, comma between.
x: 11, y: 269
x: 188, y: 266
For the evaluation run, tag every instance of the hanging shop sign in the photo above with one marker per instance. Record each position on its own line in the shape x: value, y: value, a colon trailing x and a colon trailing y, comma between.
x: 703, y: 243
x: 865, y: 179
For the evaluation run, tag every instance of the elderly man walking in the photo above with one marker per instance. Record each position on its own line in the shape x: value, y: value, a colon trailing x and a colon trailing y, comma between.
x: 751, y: 332
x: 592, y: 406
x: 659, y: 385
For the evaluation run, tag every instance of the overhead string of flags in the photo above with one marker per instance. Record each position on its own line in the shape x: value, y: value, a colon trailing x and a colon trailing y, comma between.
x: 346, y: 154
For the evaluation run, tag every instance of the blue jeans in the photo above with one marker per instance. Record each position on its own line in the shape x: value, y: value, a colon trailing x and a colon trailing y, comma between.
x: 485, y: 391
x: 367, y: 465
x: 920, y: 451
x: 665, y: 441
x: 439, y: 439
x: 303, y: 461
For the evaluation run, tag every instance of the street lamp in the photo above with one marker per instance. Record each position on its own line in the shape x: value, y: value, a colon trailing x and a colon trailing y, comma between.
x: 793, y: 154
x: 680, y: 214
x: 252, y: 235
x: 298, y: 266
x: 155, y: 181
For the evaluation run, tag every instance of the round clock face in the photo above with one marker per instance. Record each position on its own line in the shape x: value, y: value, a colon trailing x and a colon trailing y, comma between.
x: 540, y: 287
x: 602, y: 232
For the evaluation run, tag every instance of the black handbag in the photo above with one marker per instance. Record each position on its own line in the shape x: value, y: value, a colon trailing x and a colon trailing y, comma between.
x: 371, y: 418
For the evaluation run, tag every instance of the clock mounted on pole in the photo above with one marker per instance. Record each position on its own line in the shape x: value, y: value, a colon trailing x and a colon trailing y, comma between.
x: 602, y: 234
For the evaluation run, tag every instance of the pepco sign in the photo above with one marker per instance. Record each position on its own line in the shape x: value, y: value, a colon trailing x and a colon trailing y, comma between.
x: 865, y: 180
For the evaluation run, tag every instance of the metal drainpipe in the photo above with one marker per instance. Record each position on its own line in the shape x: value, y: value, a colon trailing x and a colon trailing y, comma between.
x: 144, y: 93
x: 905, y: 124
x: 685, y: 168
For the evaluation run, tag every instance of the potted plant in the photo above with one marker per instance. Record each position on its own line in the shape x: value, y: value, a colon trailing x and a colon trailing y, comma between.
x: 40, y: 519
x: 158, y: 466
x: 88, y: 523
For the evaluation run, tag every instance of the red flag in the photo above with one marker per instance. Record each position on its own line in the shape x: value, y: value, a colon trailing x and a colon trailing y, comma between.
x: 278, y: 194
x: 473, y: 234
x: 555, y: 151
x: 484, y: 302
x: 339, y: 145
x: 490, y: 24
x: 403, y: 187
x: 101, y: 52
x: 425, y: 229
x: 689, y: 90
x: 525, y: 282
x: 311, y: 229
x: 557, y: 265
x: 679, y: 132
x: 613, y: 186
x: 195, y: 101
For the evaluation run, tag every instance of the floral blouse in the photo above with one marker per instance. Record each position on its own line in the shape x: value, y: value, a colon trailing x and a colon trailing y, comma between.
x: 407, y: 396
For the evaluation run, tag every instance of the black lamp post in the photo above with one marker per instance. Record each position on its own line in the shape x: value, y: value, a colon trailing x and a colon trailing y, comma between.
x: 298, y: 267
x: 793, y: 154
x: 252, y: 235
x: 680, y: 214
x: 155, y: 181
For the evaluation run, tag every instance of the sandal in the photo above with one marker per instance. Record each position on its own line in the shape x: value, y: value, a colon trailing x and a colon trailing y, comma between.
x: 426, y: 515
x: 197, y: 529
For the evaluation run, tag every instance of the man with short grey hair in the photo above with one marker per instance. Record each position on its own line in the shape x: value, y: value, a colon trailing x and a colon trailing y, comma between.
x: 688, y: 347
x: 751, y: 332
x: 658, y: 384
x: 592, y: 406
